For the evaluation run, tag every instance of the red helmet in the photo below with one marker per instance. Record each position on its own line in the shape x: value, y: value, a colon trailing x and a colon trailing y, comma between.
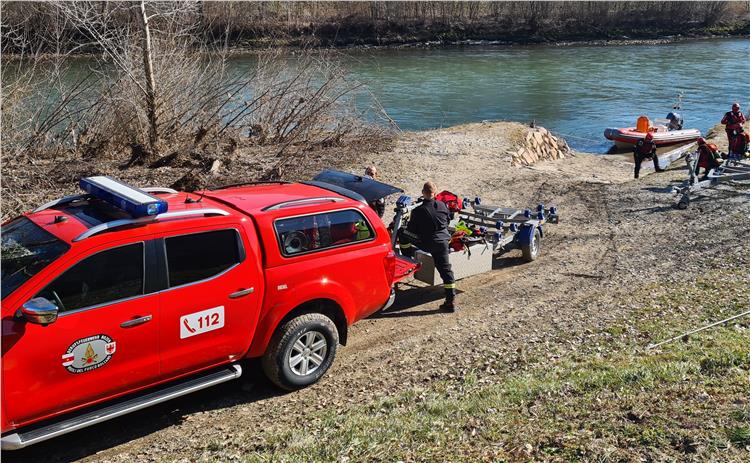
x: 649, y: 136
x: 736, y: 107
x: 701, y: 141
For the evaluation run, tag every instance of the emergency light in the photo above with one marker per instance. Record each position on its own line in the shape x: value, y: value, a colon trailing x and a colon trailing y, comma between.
x: 123, y: 196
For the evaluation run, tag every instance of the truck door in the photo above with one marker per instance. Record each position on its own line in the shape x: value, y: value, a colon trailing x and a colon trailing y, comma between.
x: 210, y: 308
x: 103, y: 342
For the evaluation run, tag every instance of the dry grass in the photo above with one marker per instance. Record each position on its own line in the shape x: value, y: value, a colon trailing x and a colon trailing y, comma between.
x: 608, y: 400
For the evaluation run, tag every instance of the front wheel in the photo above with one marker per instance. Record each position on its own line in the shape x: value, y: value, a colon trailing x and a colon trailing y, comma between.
x: 684, y: 202
x: 531, y: 250
x: 301, y: 351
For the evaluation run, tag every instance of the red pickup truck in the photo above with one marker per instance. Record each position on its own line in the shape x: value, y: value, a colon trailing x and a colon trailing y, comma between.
x: 121, y: 298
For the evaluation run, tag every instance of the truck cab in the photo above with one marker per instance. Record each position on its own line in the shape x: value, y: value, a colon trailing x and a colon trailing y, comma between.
x: 122, y: 297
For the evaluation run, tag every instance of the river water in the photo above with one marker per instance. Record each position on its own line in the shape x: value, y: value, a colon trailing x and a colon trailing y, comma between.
x: 575, y: 91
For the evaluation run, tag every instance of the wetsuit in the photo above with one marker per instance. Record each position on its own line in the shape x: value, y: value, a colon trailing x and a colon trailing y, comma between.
x: 429, y: 226
x: 642, y: 150
x: 707, y: 159
x: 733, y: 121
x: 739, y: 144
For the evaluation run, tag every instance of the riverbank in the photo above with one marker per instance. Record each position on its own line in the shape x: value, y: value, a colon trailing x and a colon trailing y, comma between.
x: 452, y: 39
x: 262, y: 46
x: 544, y: 361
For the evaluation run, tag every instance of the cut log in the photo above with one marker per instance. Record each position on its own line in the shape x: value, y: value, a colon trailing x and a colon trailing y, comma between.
x: 539, y: 138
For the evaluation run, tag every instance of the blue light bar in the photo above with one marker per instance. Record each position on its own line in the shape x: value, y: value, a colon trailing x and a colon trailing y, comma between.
x: 132, y: 200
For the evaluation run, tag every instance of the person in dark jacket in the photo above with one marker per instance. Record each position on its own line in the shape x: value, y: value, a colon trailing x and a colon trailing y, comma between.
x: 428, y: 229
x: 733, y: 121
x: 379, y: 204
x: 644, y: 149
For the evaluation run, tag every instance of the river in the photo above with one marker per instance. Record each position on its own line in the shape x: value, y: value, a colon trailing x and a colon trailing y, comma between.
x: 575, y: 91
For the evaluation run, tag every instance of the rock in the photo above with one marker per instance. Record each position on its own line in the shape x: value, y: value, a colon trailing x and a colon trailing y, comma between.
x: 215, y: 167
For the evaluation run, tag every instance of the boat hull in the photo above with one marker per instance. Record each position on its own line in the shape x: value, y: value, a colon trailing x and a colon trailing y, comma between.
x: 628, y: 137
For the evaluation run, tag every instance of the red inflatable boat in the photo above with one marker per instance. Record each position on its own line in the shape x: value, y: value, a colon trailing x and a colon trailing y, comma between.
x: 625, y: 137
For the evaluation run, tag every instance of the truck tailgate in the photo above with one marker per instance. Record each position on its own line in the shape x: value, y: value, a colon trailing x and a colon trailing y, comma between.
x: 404, y: 268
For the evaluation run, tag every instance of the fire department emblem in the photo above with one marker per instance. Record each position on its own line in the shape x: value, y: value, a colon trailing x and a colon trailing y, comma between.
x: 89, y: 353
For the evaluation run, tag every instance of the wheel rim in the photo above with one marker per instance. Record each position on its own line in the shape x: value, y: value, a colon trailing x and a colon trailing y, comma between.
x: 535, y: 245
x: 307, y: 353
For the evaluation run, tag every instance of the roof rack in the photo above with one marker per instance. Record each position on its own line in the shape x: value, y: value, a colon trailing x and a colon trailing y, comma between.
x: 258, y: 182
x: 62, y: 201
x: 158, y: 189
x: 336, y: 189
x: 107, y: 226
x: 302, y: 202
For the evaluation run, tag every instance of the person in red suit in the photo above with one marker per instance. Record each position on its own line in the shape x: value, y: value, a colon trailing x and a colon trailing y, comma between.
x: 733, y: 121
x: 708, y: 158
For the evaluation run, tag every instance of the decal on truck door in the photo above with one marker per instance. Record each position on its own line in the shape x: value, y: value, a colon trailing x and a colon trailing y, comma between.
x: 89, y: 353
x: 201, y: 322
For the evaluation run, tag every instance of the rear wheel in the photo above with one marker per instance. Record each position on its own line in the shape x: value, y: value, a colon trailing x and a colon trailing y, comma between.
x: 531, y: 250
x: 301, y: 351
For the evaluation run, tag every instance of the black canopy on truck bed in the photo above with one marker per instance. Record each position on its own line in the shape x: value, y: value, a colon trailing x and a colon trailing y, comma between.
x: 367, y: 187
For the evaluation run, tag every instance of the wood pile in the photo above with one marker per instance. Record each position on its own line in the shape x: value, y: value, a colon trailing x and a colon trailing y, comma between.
x: 540, y: 145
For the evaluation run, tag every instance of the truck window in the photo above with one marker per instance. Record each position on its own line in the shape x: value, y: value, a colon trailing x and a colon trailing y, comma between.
x: 200, y: 256
x: 298, y: 235
x: 26, y: 250
x: 105, y: 277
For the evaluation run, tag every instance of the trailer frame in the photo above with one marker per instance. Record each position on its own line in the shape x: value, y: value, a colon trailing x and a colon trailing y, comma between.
x: 503, y: 229
x: 734, y: 169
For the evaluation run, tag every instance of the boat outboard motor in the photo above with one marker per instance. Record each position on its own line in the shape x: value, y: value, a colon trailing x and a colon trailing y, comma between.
x: 675, y: 121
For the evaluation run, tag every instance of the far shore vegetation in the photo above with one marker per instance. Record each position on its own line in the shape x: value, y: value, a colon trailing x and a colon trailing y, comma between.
x: 383, y: 23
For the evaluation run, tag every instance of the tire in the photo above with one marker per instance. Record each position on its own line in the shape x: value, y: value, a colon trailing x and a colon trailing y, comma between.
x: 531, y: 251
x: 299, y: 340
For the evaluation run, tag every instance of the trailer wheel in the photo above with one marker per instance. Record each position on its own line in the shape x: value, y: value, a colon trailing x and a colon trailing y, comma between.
x: 531, y: 250
x: 301, y: 351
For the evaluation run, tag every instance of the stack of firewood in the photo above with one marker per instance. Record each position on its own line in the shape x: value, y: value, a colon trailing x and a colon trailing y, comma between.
x: 540, y: 145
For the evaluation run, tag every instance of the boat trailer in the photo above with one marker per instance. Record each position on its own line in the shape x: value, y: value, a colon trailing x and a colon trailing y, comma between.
x: 733, y: 170
x: 499, y: 230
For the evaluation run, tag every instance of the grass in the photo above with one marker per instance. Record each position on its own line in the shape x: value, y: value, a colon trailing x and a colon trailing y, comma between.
x: 608, y: 401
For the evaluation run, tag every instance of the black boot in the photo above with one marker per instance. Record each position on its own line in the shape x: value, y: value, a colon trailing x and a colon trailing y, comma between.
x: 450, y: 301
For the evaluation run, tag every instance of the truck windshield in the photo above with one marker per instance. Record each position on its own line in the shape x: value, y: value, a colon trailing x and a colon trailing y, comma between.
x: 26, y: 249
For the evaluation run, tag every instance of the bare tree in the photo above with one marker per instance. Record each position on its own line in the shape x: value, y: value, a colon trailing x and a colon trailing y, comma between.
x: 111, y: 29
x: 148, y: 68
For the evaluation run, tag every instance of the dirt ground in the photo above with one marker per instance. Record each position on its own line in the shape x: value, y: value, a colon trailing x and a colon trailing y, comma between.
x: 614, y: 234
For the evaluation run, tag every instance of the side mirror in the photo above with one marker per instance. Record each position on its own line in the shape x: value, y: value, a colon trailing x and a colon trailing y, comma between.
x: 39, y: 311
